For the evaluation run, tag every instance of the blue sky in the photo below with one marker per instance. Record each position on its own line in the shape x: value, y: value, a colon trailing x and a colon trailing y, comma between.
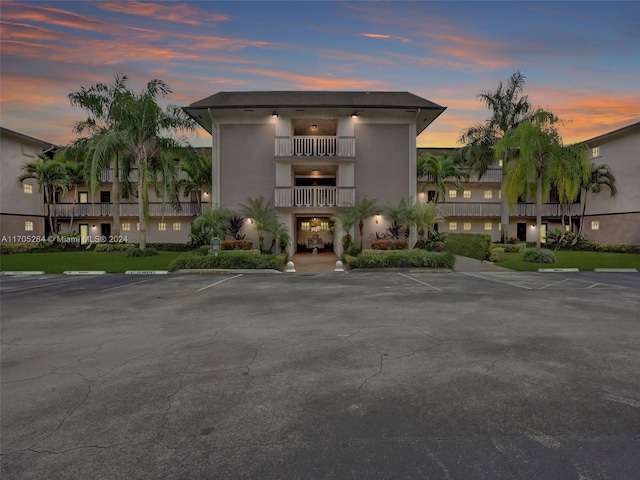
x: 580, y: 59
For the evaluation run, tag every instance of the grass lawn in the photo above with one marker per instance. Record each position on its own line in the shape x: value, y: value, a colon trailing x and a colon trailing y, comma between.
x: 111, y: 262
x: 580, y: 260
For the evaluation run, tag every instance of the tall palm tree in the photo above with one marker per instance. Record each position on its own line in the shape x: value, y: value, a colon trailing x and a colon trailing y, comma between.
x: 364, y: 208
x: 212, y: 222
x: 509, y: 108
x: 598, y: 177
x: 442, y: 171
x: 401, y: 218
x: 424, y: 217
x: 131, y: 127
x: 540, y: 157
x: 200, y: 173
x: 572, y: 171
x: 50, y: 176
x: 75, y: 178
x: 345, y: 219
x: 263, y: 215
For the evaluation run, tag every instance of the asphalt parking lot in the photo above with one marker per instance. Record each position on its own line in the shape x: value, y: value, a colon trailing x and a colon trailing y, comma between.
x: 365, y: 375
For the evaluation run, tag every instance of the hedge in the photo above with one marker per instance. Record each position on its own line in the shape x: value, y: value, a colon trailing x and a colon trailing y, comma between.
x: 414, y: 258
x: 381, y: 244
x: 474, y: 245
x: 252, y: 259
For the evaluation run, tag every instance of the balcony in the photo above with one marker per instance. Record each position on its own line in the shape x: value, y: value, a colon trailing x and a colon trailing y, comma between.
x: 315, y: 196
x: 493, y: 175
x: 315, y: 146
x: 107, y: 175
x: 479, y: 209
x: 156, y: 209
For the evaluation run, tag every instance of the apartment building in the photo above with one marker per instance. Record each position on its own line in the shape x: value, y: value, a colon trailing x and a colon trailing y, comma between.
x: 607, y: 219
x: 313, y: 153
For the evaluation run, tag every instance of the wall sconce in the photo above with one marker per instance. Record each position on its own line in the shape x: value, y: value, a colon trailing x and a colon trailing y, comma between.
x: 354, y: 115
x: 250, y: 220
x: 378, y: 217
x: 314, y: 127
x: 315, y: 171
x: 274, y: 114
x: 93, y: 226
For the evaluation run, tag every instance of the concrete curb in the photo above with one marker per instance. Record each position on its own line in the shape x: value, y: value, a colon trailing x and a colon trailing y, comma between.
x: 84, y: 272
x: 146, y: 272
x: 26, y: 272
x: 616, y: 270
x: 219, y: 271
x: 552, y: 270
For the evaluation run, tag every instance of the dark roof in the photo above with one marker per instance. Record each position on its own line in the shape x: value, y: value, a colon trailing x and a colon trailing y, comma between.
x: 6, y: 131
x: 608, y: 136
x: 283, y: 99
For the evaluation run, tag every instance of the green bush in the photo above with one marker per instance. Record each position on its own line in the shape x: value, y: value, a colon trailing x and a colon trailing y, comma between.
x: 513, y: 247
x: 474, y: 245
x: 114, y: 247
x: 381, y: 244
x: 539, y: 255
x: 414, y: 258
x: 588, y: 246
x: 497, y: 254
x: 171, y: 247
x: 236, y: 245
x: 252, y: 259
x: 138, y: 252
x: 9, y: 248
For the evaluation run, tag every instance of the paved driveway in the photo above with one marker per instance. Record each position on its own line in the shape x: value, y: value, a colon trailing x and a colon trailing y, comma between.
x: 362, y: 375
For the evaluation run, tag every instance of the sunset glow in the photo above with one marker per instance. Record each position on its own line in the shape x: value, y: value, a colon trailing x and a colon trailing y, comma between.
x: 580, y: 59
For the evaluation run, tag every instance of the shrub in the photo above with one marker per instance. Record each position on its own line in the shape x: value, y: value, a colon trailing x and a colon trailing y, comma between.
x: 497, y: 254
x: 252, y: 259
x: 113, y: 247
x: 513, y: 247
x: 389, y: 244
x: 474, y: 245
x: 562, y: 240
x: 171, y: 247
x: 236, y: 244
x: 138, y: 252
x: 414, y: 258
x: 539, y: 255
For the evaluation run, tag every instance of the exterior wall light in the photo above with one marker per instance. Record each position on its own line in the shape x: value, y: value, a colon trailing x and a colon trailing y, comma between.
x: 354, y: 115
x: 274, y: 114
x: 378, y: 217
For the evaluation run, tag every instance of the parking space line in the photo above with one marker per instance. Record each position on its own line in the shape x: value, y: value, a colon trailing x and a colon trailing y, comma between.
x: 423, y: 283
x: 498, y: 281
x: 43, y: 285
x: 129, y: 284
x: 555, y: 283
x: 219, y: 282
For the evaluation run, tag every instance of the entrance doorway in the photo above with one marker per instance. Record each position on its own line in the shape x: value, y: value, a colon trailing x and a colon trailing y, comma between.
x: 521, y: 232
x: 314, y: 234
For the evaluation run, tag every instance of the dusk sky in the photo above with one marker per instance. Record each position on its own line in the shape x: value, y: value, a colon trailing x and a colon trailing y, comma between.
x: 580, y: 59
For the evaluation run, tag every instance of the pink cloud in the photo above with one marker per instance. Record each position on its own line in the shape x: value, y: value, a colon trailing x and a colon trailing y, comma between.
x: 386, y: 37
x: 173, y: 13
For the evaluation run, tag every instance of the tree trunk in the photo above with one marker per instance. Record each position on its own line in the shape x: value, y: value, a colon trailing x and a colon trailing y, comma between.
x: 143, y: 199
x: 115, y: 199
x: 73, y: 208
x: 539, y: 211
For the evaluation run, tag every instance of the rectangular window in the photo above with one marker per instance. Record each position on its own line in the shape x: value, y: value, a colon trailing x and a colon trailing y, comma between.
x: 466, y: 194
x: 324, y: 225
x: 162, y: 227
x: 138, y: 226
x: 453, y: 194
x: 488, y: 194
x: 595, y: 152
x: 126, y: 227
x: 595, y: 224
x: 500, y: 227
x: 453, y: 225
x: 500, y: 162
x: 83, y: 197
x: 305, y: 226
x: 27, y: 188
x: 467, y: 226
x: 431, y: 195
x: 488, y: 226
x: 28, y: 226
x: 500, y: 194
x: 177, y: 226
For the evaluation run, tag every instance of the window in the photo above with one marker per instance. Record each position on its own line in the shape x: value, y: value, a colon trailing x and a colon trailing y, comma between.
x: 467, y: 226
x: 466, y: 194
x: 453, y: 225
x: 305, y: 226
x: 500, y: 194
x: 27, y: 188
x: 28, y: 226
x: 162, y: 227
x: 500, y: 227
x: 431, y: 195
x: 488, y: 226
x: 177, y: 226
x: 595, y: 152
x: 105, y: 197
x: 500, y: 162
x: 324, y: 225
x: 83, y: 197
x: 488, y: 194
x: 453, y: 194
x: 138, y: 226
x: 126, y: 227
x: 595, y: 224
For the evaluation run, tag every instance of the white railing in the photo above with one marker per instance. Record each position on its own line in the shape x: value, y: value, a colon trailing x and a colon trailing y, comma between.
x: 548, y: 210
x: 479, y: 209
x: 315, y: 146
x: 156, y: 209
x: 493, y: 175
x: 314, y: 196
x: 107, y: 175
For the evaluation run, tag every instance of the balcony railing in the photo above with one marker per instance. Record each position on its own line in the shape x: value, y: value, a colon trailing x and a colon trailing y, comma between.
x: 156, y: 209
x: 493, y: 175
x: 479, y: 209
x: 315, y: 146
x: 107, y: 175
x: 315, y: 196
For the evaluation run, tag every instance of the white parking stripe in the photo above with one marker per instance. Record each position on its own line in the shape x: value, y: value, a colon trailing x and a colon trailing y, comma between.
x: 128, y: 284
x: 493, y: 280
x: 43, y: 285
x: 555, y: 283
x: 423, y: 283
x: 217, y: 283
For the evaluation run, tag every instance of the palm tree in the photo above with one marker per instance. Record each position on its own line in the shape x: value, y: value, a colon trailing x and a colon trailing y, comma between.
x: 540, y: 157
x: 345, y: 219
x: 572, y: 172
x: 598, y: 176
x: 364, y: 208
x: 212, y: 222
x: 130, y: 128
x: 442, y: 171
x: 424, y: 217
x: 263, y: 215
x: 200, y: 173
x: 280, y: 234
x: 50, y: 176
x: 401, y: 218
x: 509, y: 108
x: 75, y: 178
